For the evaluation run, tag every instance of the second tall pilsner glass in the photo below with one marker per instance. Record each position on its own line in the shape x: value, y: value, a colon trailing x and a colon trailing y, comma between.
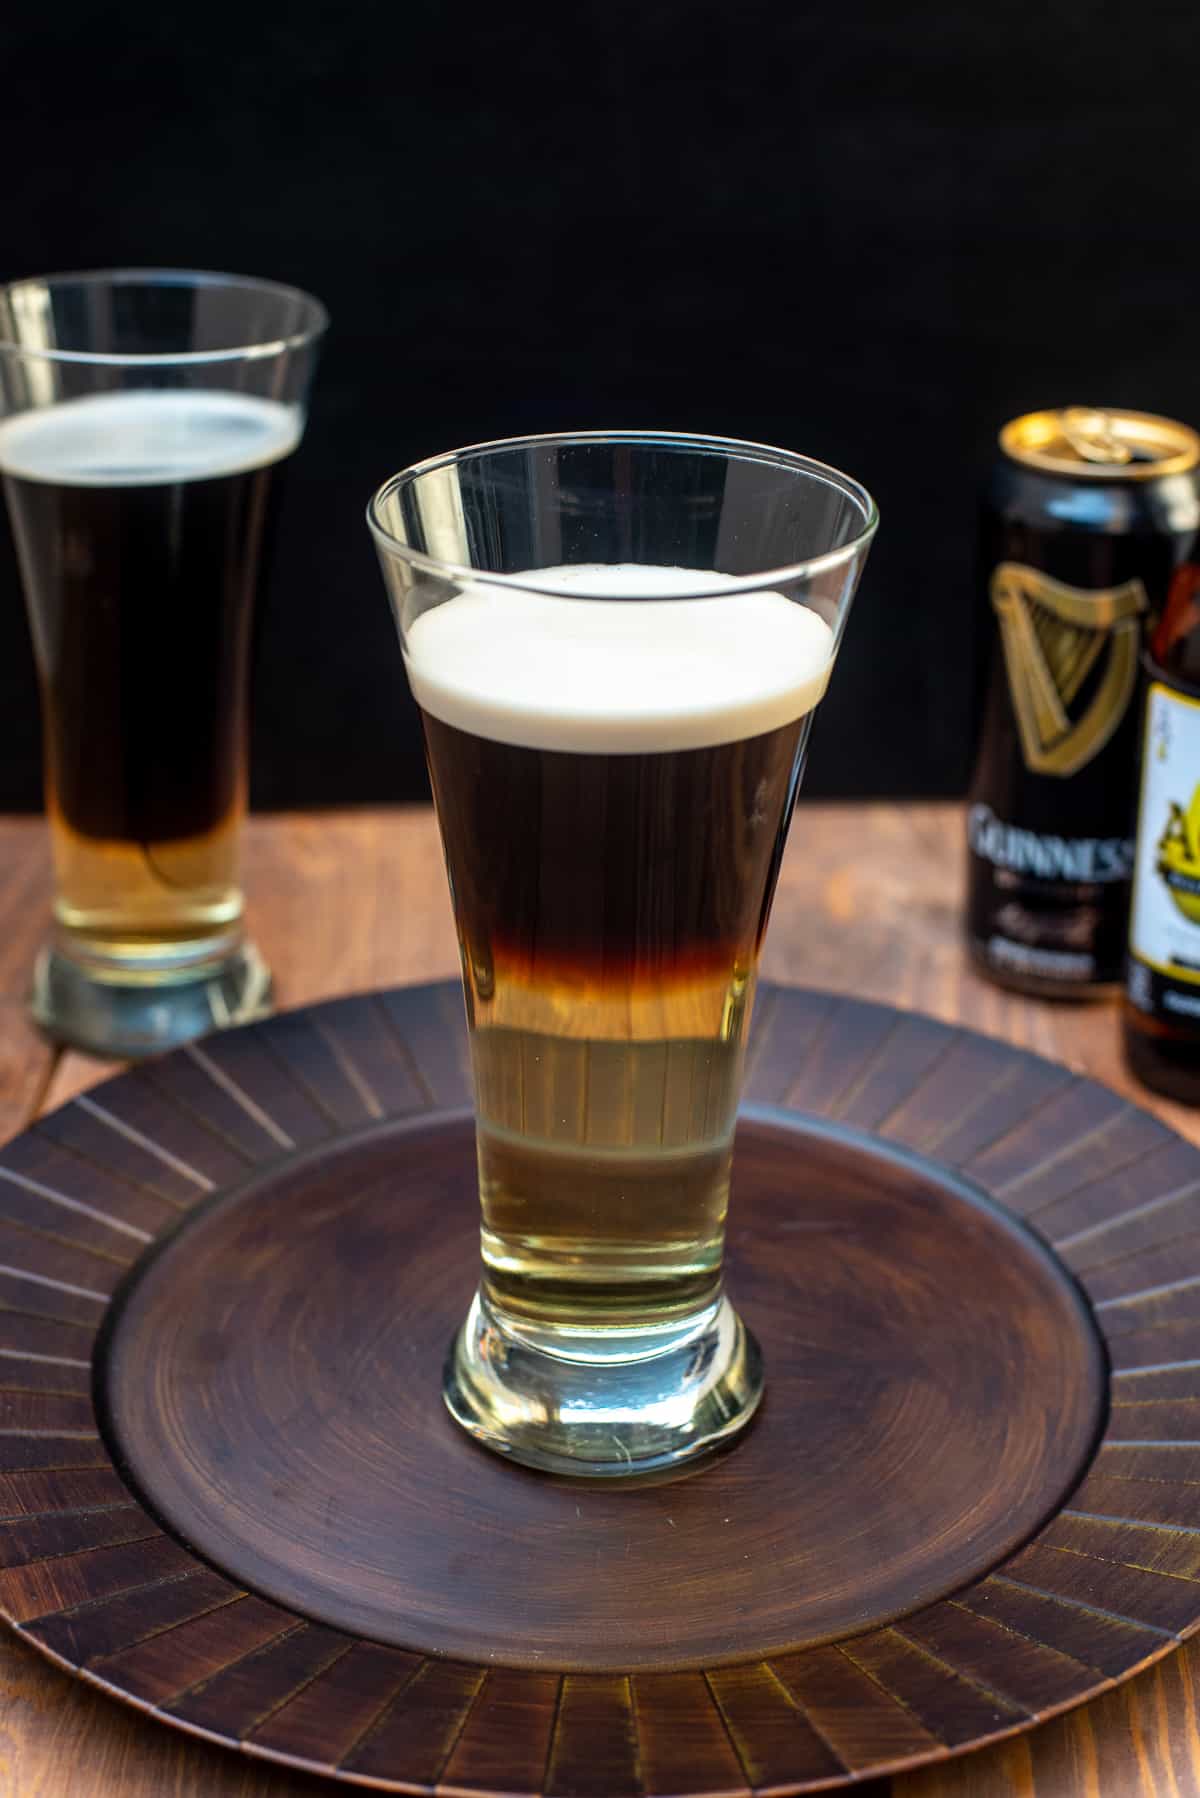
x: 143, y: 417
x: 617, y: 641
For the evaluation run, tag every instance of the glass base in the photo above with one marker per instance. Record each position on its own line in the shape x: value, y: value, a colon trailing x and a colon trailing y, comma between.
x: 135, y: 1019
x: 597, y: 1413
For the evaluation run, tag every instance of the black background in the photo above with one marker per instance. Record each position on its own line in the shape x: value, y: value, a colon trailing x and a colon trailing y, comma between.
x: 870, y: 233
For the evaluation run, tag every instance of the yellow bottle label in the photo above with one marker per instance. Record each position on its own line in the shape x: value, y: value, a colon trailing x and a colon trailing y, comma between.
x: 1164, y: 919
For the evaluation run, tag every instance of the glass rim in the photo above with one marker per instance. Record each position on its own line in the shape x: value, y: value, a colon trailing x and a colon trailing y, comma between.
x: 168, y: 277
x: 745, y: 449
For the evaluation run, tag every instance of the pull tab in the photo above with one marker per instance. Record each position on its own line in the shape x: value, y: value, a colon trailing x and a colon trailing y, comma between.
x: 1090, y: 434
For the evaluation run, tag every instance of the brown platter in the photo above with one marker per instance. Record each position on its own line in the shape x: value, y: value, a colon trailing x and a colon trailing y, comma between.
x: 230, y: 1496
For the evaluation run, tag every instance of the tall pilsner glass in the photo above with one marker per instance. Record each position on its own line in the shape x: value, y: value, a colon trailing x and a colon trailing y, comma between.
x: 617, y: 641
x: 142, y: 412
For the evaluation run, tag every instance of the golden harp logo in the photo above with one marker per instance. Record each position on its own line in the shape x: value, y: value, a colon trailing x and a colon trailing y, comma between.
x: 1055, y: 638
x: 1178, y: 859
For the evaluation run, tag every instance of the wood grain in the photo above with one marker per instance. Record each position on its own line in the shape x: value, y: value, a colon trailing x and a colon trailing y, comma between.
x: 868, y: 904
x: 26, y: 1060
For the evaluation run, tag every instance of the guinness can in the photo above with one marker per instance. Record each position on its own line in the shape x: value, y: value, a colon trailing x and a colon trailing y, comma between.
x: 1087, y: 515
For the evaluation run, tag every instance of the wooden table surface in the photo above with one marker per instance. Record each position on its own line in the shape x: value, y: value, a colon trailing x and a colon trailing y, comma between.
x: 869, y: 903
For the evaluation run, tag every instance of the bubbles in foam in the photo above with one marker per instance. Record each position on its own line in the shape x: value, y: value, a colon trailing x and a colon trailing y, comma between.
x: 618, y: 675
x: 136, y: 439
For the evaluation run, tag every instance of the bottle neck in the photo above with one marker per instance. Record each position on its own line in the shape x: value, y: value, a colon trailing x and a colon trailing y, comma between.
x: 1172, y: 677
x: 1174, y: 650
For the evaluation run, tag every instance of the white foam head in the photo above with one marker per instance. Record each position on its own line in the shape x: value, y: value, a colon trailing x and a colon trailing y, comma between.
x: 618, y: 675
x: 147, y: 438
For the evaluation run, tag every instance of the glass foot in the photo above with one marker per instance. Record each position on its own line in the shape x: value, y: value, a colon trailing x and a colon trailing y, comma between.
x: 129, y: 1021
x: 598, y: 1414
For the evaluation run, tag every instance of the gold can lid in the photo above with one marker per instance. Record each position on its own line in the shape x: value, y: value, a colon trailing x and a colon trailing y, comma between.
x: 1101, y: 443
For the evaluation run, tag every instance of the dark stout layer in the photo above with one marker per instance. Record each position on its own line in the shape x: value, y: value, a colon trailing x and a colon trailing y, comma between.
x: 632, y: 871
x: 139, y: 579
